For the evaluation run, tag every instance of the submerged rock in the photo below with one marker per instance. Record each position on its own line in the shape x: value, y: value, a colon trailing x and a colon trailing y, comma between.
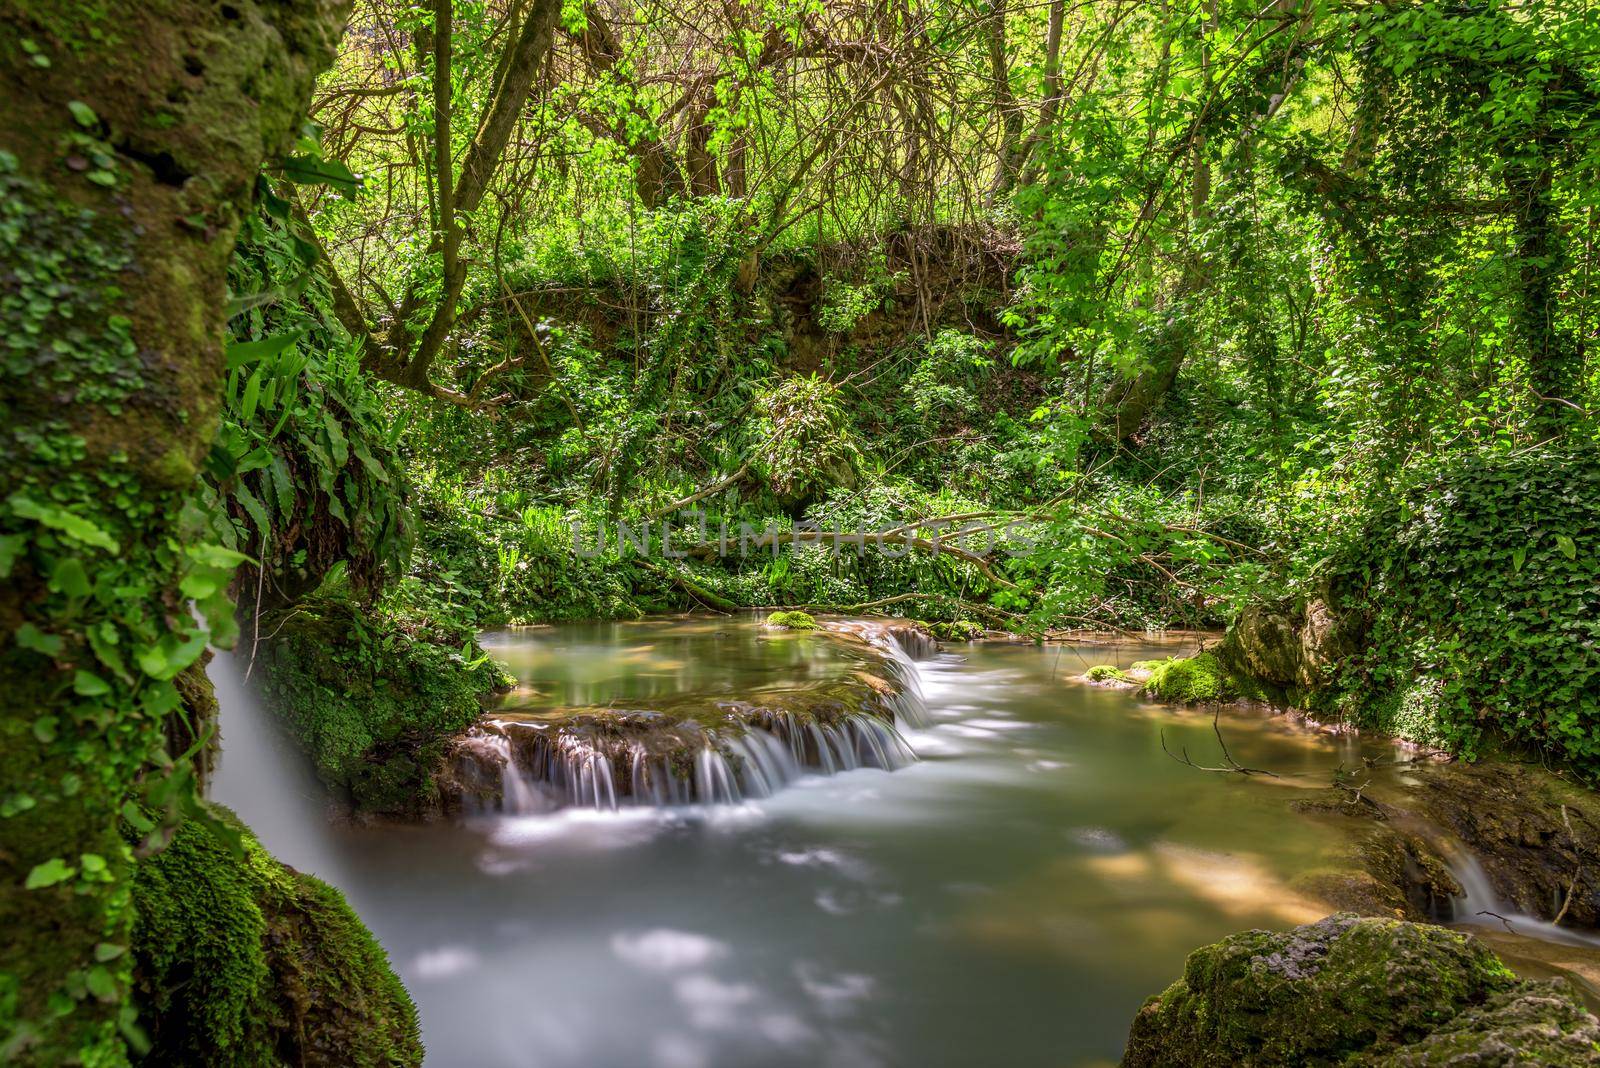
x: 1352, y: 990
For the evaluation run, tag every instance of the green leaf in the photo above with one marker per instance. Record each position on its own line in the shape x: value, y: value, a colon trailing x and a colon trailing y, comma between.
x: 100, y: 983
x: 136, y: 818
x: 31, y: 637
x: 73, y: 526
x: 49, y: 873
x: 1568, y: 547
x: 82, y: 113
x: 212, y: 555
x: 88, y: 684
x: 312, y: 170
x: 10, y: 547
x: 44, y: 729
x: 1519, y: 556
x: 241, y: 353
x: 105, y: 951
x: 70, y: 578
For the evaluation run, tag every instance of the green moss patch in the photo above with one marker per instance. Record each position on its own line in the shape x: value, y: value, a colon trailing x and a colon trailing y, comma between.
x: 1187, y: 680
x: 242, y: 961
x: 792, y: 621
x: 1108, y: 673
x: 374, y: 703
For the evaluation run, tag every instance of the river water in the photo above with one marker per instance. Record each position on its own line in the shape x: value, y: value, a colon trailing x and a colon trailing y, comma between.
x: 1009, y: 899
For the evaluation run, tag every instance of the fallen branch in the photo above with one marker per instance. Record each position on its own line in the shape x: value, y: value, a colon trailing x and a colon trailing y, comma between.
x: 1232, y: 764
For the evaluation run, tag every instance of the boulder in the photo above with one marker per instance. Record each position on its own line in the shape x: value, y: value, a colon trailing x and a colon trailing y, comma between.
x: 1353, y: 990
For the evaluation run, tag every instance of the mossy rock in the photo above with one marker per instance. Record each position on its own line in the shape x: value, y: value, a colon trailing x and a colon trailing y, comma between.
x: 1537, y: 1023
x: 956, y: 630
x: 1188, y: 680
x: 375, y: 706
x: 240, y: 960
x: 1109, y: 673
x: 1346, y: 990
x: 792, y: 621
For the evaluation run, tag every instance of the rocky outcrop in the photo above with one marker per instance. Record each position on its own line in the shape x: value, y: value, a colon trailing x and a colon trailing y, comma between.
x: 1290, y: 648
x: 1358, y: 991
x: 1536, y: 835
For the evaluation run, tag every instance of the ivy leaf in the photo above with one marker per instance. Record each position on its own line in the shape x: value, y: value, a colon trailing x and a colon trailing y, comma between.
x: 49, y: 873
x: 100, y: 982
x: 1519, y: 556
x: 1568, y: 547
x: 70, y: 578
x: 10, y: 546
x: 82, y: 113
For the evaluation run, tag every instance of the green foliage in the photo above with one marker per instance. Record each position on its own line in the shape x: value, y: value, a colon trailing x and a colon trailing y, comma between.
x: 303, y: 472
x: 241, y: 961
x: 1484, y: 576
x: 374, y: 694
x: 803, y: 446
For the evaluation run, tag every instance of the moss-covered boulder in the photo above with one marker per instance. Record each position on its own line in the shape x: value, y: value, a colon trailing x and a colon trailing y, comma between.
x: 956, y: 630
x: 1109, y: 675
x: 1189, y: 680
x: 1350, y: 990
x: 1537, y: 1023
x: 373, y: 701
x: 792, y: 621
x: 240, y: 960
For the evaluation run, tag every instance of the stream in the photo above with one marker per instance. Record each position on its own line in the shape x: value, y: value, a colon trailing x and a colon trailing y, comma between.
x: 1009, y: 898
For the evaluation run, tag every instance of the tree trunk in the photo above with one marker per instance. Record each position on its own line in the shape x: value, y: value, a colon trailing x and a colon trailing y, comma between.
x: 132, y: 141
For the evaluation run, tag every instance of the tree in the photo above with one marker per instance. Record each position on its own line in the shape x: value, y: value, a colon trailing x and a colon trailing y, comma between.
x: 134, y: 137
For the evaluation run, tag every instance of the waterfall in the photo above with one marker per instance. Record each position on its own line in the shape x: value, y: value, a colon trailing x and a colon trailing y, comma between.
x: 1479, y: 905
x: 537, y: 769
x: 735, y: 750
x: 267, y: 781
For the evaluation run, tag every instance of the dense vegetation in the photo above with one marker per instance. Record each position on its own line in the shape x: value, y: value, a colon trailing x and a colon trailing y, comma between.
x: 1112, y: 314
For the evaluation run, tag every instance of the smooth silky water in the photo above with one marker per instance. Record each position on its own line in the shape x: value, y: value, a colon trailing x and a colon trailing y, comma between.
x: 1009, y: 899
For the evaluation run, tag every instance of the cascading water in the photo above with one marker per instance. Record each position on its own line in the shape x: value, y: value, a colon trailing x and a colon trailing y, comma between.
x: 1480, y: 905
x: 729, y: 752
x: 265, y: 780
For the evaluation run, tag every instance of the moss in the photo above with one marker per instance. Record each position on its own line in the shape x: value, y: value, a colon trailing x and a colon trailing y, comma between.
x: 1323, y: 993
x: 1108, y: 673
x: 792, y: 621
x: 375, y: 706
x: 1187, y: 680
x: 242, y: 961
x: 957, y: 630
x: 1537, y: 1023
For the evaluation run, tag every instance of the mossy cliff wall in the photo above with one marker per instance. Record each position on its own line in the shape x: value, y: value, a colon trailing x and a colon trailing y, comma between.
x: 132, y: 139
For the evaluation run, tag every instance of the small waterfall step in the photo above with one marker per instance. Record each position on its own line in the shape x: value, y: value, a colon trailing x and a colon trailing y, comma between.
x: 697, y: 749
